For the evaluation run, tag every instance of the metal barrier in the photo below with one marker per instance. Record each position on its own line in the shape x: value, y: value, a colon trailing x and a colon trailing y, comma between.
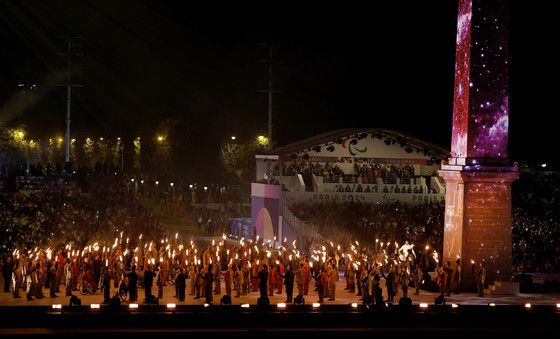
x: 302, y: 229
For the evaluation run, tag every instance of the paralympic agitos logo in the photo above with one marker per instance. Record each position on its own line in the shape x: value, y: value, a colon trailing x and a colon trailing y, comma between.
x: 352, y: 148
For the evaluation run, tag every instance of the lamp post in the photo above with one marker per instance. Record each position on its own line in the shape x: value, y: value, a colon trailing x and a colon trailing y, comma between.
x: 192, y: 194
x: 157, y: 188
x: 206, y: 193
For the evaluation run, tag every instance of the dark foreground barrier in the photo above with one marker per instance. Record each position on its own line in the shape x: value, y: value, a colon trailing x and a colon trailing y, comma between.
x: 272, y: 321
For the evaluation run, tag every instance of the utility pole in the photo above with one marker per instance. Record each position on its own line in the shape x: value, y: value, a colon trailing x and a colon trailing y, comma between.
x: 269, y: 90
x: 69, y: 54
x: 120, y: 145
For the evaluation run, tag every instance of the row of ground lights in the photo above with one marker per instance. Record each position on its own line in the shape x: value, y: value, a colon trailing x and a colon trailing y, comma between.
x: 282, y: 306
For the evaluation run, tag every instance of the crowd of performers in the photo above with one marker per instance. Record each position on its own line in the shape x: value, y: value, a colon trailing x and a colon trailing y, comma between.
x: 224, y: 266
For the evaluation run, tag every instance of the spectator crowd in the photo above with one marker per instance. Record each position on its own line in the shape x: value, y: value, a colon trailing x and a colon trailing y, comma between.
x: 46, y: 216
x: 535, y: 222
x: 396, y: 221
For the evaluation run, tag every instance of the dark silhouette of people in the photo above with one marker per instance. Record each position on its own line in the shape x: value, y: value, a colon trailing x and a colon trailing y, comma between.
x: 209, y: 280
x: 181, y: 284
x: 481, y: 279
x: 106, y: 285
x: 289, y: 282
x: 263, y: 281
x: 7, y: 268
x: 148, y: 283
x: 318, y: 275
x: 132, y: 284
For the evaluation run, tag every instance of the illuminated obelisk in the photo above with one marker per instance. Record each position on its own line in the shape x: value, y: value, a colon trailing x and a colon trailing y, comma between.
x: 479, y: 174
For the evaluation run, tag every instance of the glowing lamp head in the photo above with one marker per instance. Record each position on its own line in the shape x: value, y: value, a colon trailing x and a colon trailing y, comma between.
x: 262, y: 140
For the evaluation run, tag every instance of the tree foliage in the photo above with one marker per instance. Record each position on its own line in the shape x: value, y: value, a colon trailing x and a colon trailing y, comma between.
x: 238, y: 158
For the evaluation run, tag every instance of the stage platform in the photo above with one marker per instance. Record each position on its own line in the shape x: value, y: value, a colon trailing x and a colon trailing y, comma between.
x: 345, y: 315
x: 342, y: 298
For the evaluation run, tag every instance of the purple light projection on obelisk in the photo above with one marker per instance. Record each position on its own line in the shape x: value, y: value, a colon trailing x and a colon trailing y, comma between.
x: 480, y: 112
x: 478, y: 175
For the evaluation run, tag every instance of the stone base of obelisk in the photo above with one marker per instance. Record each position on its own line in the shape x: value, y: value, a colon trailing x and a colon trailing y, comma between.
x: 502, y: 288
x: 478, y: 221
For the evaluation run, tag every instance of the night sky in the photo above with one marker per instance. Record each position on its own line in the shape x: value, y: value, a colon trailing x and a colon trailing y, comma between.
x: 389, y: 64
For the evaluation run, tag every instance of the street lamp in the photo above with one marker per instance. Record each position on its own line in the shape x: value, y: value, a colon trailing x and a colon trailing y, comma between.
x: 233, y: 137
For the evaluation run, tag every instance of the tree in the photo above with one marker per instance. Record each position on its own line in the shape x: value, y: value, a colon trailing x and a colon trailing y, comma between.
x: 238, y: 158
x: 13, y: 145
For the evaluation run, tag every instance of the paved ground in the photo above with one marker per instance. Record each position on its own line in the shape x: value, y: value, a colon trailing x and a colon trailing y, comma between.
x: 342, y: 297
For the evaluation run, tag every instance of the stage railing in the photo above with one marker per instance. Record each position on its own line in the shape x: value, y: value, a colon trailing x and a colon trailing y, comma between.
x: 302, y: 229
